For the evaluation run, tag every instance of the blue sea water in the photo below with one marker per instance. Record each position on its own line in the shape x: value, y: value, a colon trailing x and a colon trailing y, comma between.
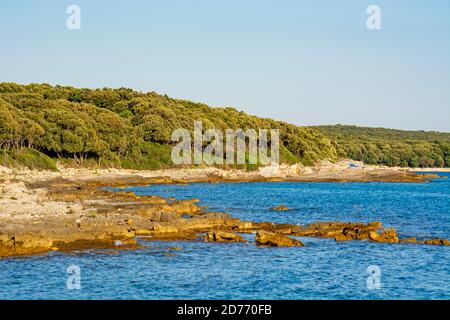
x: 323, y: 269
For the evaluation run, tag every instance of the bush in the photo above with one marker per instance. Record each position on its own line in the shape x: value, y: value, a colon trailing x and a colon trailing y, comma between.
x: 29, y: 158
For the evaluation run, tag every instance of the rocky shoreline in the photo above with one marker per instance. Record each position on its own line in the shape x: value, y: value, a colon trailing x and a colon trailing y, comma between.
x: 72, y: 210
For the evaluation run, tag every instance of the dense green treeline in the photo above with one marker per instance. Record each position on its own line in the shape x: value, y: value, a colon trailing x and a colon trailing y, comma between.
x: 391, y: 147
x: 40, y: 123
x: 125, y: 128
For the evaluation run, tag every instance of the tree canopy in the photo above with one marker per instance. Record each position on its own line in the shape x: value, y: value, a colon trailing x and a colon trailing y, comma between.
x: 132, y: 129
x: 391, y: 147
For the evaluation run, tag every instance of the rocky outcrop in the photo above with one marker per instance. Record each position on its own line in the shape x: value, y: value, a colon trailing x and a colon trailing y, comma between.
x: 169, y: 211
x: 436, y: 242
x: 12, y: 245
x: 32, y: 243
x: 159, y: 214
x: 388, y: 235
x: 411, y: 240
x: 439, y: 242
x: 341, y: 231
x: 280, y: 208
x: 185, y: 206
x: 222, y: 236
x: 77, y: 214
x: 268, y: 238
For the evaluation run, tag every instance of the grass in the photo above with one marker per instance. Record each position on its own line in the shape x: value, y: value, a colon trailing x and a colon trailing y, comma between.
x: 26, y: 157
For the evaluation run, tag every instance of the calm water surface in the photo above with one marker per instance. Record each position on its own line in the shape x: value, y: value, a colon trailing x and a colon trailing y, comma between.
x: 323, y: 269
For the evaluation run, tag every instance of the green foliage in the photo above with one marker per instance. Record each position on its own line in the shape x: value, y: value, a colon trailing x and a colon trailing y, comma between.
x: 287, y: 157
x: 122, y: 127
x: 27, y: 157
x: 149, y: 156
x: 131, y: 129
x: 391, y: 147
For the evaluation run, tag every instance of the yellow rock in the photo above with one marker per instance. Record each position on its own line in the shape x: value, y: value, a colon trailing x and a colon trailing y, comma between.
x: 222, y: 236
x: 388, y: 235
x: 275, y: 239
x: 143, y: 232
x: 280, y: 208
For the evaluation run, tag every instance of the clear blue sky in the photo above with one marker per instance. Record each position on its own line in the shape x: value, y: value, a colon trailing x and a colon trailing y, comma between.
x: 305, y: 62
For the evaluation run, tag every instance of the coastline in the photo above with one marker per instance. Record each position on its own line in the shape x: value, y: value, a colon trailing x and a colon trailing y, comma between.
x: 442, y: 170
x: 43, y: 211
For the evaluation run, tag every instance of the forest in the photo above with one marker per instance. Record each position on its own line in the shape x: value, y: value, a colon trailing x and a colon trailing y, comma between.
x: 390, y: 147
x: 41, y: 124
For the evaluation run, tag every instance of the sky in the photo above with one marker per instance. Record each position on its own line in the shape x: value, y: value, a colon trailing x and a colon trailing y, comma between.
x: 309, y: 62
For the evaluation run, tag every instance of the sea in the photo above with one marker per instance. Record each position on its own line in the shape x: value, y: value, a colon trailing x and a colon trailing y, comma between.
x: 322, y: 269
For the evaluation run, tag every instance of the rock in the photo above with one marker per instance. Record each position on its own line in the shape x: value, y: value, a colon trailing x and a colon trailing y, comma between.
x: 374, y: 236
x: 222, y: 236
x: 439, y: 242
x: 244, y: 225
x: 429, y: 175
x: 283, y: 228
x: 166, y: 228
x: 143, y: 232
x: 159, y: 209
x: 11, y: 245
x: 201, y: 223
x: 341, y: 231
x: 355, y: 233
x: 168, y: 254
x: 388, y: 235
x: 275, y: 239
x: 174, y: 248
x: 163, y: 216
x: 185, y: 206
x: 280, y: 208
x: 342, y: 237
x: 375, y: 224
x: 351, y: 232
x: 408, y: 240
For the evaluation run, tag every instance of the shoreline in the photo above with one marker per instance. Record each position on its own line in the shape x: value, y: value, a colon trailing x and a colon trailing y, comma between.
x: 440, y: 170
x: 43, y: 211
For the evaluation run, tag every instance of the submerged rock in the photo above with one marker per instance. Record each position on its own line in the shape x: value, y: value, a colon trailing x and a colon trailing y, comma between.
x: 439, y: 242
x: 408, y: 240
x: 280, y: 208
x: 174, y: 248
x: 275, y: 239
x: 222, y: 236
